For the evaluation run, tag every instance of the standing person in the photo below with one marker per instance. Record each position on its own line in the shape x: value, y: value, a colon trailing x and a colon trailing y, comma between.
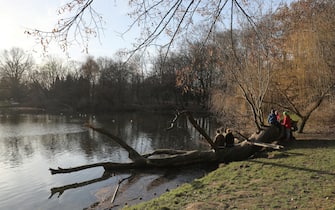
x: 287, y: 124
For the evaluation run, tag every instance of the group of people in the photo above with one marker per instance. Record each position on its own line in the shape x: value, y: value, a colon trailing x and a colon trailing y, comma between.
x: 275, y: 120
x: 224, y: 138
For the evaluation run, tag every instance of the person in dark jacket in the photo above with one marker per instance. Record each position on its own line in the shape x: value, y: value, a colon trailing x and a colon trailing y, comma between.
x: 272, y: 119
x: 219, y: 139
x: 230, y: 139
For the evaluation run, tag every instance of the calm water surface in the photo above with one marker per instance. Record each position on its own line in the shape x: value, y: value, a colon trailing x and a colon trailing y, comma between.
x: 31, y: 144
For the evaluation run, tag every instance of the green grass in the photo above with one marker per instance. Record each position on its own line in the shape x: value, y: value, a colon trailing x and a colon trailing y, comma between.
x: 302, y: 176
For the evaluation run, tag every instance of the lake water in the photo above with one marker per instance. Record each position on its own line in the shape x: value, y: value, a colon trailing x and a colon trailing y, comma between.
x: 31, y: 144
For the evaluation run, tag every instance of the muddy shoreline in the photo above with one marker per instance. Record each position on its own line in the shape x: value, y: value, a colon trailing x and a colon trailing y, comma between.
x: 164, y: 181
x: 145, y: 185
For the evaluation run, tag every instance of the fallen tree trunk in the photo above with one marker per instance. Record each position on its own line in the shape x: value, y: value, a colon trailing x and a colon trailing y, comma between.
x: 163, y: 158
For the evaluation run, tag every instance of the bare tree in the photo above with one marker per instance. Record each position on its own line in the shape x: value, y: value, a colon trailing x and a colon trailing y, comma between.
x: 47, y: 74
x: 90, y: 71
x: 247, y: 65
x: 196, y: 76
x: 79, y: 22
x: 14, y: 64
x: 307, y: 77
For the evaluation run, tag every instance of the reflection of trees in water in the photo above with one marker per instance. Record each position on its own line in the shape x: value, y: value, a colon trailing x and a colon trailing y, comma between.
x: 143, y: 131
x: 49, y: 140
x: 13, y: 151
x: 17, y: 149
x: 147, y: 131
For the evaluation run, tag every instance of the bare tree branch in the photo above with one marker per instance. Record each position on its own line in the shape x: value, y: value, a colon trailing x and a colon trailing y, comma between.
x: 133, y: 154
x: 195, y: 125
x: 82, y: 30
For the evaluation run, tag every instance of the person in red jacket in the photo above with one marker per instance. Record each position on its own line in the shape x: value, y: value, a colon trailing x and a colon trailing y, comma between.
x: 287, y: 124
x: 277, y: 115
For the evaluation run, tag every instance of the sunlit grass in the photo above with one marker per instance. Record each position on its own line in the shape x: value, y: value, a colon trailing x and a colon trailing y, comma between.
x: 299, y: 177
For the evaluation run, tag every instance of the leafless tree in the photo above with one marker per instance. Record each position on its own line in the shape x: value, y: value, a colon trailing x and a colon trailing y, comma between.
x: 79, y: 21
x: 90, y: 70
x: 14, y: 64
x: 47, y: 74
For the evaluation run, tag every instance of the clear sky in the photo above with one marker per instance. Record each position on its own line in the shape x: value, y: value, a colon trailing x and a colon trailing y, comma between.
x: 18, y: 15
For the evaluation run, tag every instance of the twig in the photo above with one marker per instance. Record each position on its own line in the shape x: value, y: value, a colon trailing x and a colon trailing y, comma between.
x: 115, y: 192
x: 246, y: 138
x: 118, y: 186
x: 173, y: 121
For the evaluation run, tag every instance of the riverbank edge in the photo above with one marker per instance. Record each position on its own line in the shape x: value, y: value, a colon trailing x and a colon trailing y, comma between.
x: 165, y: 109
x: 237, y: 179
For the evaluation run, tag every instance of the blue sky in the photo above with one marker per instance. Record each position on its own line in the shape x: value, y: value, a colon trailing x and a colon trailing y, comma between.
x: 17, y: 15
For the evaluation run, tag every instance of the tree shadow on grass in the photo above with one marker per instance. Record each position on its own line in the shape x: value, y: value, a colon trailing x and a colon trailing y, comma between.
x: 302, y: 143
x: 307, y: 143
x: 293, y: 167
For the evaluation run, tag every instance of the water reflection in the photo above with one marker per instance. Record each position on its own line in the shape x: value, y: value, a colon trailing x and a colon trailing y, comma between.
x: 30, y: 144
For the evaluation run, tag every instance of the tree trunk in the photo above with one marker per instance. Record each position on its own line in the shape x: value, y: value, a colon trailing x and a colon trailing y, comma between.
x: 302, y: 125
x: 163, y: 158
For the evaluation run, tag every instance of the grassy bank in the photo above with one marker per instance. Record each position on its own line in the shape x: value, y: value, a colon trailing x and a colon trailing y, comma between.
x: 302, y: 176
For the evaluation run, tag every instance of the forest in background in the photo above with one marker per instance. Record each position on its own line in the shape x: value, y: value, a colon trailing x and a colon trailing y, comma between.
x: 283, y: 59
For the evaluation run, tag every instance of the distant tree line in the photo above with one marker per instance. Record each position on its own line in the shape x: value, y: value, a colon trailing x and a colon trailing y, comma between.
x: 96, y: 85
x: 284, y: 60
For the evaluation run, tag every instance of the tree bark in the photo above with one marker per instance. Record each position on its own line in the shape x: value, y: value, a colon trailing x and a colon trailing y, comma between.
x: 163, y: 158
x: 133, y: 154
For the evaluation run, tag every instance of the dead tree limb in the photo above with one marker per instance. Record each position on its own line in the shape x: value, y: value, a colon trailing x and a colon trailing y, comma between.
x: 195, y: 125
x: 200, y: 130
x: 165, y: 152
x: 105, y: 165
x: 118, y: 186
x: 164, y: 158
x: 62, y: 189
x: 133, y: 154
